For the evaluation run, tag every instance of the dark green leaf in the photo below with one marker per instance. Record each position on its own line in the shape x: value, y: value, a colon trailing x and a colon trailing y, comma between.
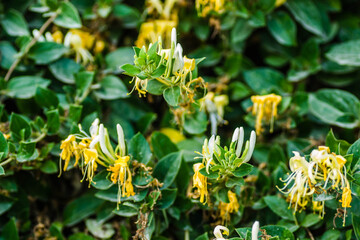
x: 162, y: 145
x: 172, y: 95
x: 46, y: 98
x: 19, y: 127
x: 139, y: 148
x: 167, y: 168
x: 111, y: 87
x: 283, y: 28
x: 24, y: 87
x: 47, y: 52
x: 279, y: 206
x: 68, y: 17
x: 243, y: 170
x: 14, y: 23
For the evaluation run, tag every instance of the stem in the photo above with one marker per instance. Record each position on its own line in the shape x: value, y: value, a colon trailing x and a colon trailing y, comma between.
x: 40, y: 137
x: 28, y: 47
x: 187, y: 235
x: 6, y: 161
x: 163, y: 81
x: 310, y: 234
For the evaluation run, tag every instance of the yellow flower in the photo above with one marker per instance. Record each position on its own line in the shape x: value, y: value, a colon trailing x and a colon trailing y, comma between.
x: 319, y: 206
x: 346, y: 197
x: 57, y: 36
x: 121, y: 174
x: 81, y: 42
x: 265, y: 107
x: 68, y: 146
x: 227, y: 208
x: 174, y: 135
x: 204, y: 7
x: 90, y: 158
x: 200, y: 182
x: 99, y: 46
x: 278, y: 3
x: 153, y: 29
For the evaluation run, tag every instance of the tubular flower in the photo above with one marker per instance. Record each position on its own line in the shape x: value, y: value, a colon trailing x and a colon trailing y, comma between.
x: 215, y: 106
x: 218, y: 234
x: 165, y: 19
x: 174, y: 135
x: 200, y: 182
x: 227, y: 208
x: 265, y: 107
x: 204, y: 7
x: 68, y: 146
x: 324, y: 170
x: 121, y: 175
x: 90, y: 158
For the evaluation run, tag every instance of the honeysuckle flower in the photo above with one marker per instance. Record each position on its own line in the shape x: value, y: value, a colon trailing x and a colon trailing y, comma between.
x: 80, y: 42
x: 238, y: 139
x: 219, y: 231
x: 226, y: 209
x: 67, y: 146
x: 208, y: 150
x: 90, y: 159
x: 200, y: 182
x: 265, y: 107
x: 166, y: 19
x: 307, y: 178
x: 215, y: 106
x: 204, y: 7
x: 255, y: 230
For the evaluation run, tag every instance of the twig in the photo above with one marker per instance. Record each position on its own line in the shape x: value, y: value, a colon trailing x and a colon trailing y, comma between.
x: 6, y: 161
x: 28, y: 47
x: 310, y: 234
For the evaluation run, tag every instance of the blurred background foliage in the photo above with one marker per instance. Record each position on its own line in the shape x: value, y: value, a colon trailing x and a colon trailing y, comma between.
x: 306, y: 51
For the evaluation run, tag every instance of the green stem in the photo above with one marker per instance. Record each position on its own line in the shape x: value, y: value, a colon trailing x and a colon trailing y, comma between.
x: 40, y: 137
x: 6, y: 161
x: 163, y: 81
x: 187, y: 235
x: 28, y: 47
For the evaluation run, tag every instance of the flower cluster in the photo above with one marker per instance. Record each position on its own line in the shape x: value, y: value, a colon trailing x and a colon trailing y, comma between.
x: 80, y: 42
x: 324, y: 173
x: 265, y: 107
x: 165, y: 19
x: 215, y: 106
x: 204, y: 7
x: 218, y: 166
x: 96, y: 149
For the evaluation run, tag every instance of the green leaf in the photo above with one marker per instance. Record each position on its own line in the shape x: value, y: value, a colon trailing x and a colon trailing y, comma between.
x: 241, y: 31
x: 130, y: 69
x: 9, y: 231
x: 27, y: 152
x: 129, y: 16
x: 162, y: 145
x: 3, y: 146
x: 2, y: 171
x: 265, y: 80
x: 336, y: 107
x: 308, y: 15
x: 310, y: 220
x: 19, y: 127
x: 353, y: 149
x: 47, y: 52
x: 243, y: 170
x: 159, y: 71
x: 172, y: 95
x: 331, y: 234
x: 111, y: 87
x: 24, y: 87
x: 167, y: 168
x: 282, y: 28
x: 119, y: 57
x: 5, y: 204
x: 68, y: 17
x: 282, y: 232
x: 337, y: 146
x: 168, y: 197
x: 83, y: 82
x: 80, y: 236
x: 196, y: 122
x: 279, y: 206
x: 53, y: 121
x: 14, y: 23
x: 139, y: 149
x: 346, y: 53
x: 80, y: 209
x: 211, y: 54
x: 100, y: 181
x: 49, y: 167
x: 8, y: 54
x: 75, y: 113
x: 203, y: 237
x: 46, y: 98
x: 127, y: 209
x: 100, y: 230
x: 356, y: 225
x: 64, y: 70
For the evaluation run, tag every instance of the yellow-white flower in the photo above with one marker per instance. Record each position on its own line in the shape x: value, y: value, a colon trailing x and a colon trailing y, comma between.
x: 238, y: 138
x: 255, y: 230
x: 219, y: 231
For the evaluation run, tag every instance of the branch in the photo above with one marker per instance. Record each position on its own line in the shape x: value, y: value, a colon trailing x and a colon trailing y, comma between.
x: 28, y: 47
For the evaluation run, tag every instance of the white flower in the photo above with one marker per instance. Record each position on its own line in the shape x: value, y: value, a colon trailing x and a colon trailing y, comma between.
x: 121, y: 140
x: 255, y: 230
x: 217, y: 232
